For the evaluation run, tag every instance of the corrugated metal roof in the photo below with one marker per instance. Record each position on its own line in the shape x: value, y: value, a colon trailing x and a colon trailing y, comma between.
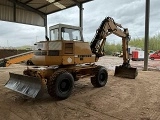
x: 48, y: 8
x: 33, y: 11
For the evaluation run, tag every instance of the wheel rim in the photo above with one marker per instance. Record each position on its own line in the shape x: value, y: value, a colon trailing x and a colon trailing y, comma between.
x: 64, y: 86
x: 102, y: 77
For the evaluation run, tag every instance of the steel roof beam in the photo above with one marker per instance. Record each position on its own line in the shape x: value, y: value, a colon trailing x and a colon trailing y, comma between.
x: 67, y: 7
x: 47, y: 4
x: 28, y: 7
x: 28, y: 1
x: 77, y: 3
x: 14, y: 12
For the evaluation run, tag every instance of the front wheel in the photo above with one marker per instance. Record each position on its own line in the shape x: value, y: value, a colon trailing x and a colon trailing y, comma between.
x: 29, y: 62
x: 100, y: 78
x: 60, y: 84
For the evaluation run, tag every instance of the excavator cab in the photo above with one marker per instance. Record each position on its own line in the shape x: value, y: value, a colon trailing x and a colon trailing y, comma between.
x: 65, y: 32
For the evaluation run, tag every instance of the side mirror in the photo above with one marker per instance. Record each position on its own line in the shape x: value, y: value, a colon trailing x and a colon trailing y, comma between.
x: 47, y: 38
x: 76, y: 38
x: 62, y: 30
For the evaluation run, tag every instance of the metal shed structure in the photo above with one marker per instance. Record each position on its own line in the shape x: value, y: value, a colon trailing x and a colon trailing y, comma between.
x: 34, y: 12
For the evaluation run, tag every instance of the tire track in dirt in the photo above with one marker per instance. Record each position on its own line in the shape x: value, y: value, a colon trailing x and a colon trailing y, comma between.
x: 13, y: 112
x: 12, y: 103
x: 154, y: 115
x: 73, y: 104
x: 82, y: 105
x: 15, y: 109
x: 130, y: 107
x: 24, y: 108
x: 129, y: 101
x: 153, y: 91
x: 133, y: 102
x: 91, y: 90
x: 139, y: 107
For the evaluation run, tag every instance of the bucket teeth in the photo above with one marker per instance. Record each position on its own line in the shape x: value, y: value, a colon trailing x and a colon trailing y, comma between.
x: 26, y: 85
x: 126, y: 72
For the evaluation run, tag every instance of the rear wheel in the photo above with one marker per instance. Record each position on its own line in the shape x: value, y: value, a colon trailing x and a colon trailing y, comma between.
x: 60, y: 84
x: 29, y: 62
x: 100, y: 78
x: 152, y: 58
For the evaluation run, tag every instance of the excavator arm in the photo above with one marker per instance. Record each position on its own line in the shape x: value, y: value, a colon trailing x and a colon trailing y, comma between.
x: 107, y: 27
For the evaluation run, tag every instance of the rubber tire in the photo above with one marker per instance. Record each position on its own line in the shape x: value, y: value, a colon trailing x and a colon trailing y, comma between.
x: 152, y: 58
x: 29, y: 62
x: 96, y: 81
x: 55, y: 82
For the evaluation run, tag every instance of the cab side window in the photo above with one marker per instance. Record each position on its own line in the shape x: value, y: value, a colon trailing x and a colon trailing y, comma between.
x: 54, y: 34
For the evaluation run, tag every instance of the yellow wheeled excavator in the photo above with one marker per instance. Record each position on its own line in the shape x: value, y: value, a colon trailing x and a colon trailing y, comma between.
x: 65, y: 58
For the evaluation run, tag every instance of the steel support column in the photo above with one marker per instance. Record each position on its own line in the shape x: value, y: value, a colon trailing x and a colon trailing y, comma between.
x: 45, y: 25
x: 81, y: 15
x: 14, y: 12
x: 146, y: 42
x: 80, y: 5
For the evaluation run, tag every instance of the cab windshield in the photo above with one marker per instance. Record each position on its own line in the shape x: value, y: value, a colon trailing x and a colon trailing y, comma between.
x: 70, y: 34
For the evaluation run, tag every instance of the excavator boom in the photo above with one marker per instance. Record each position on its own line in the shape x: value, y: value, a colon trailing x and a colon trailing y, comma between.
x: 107, y: 27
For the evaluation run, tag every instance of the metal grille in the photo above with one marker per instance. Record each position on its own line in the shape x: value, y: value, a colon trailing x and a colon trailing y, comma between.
x: 39, y: 53
x: 50, y: 53
x: 53, y: 53
x: 69, y: 48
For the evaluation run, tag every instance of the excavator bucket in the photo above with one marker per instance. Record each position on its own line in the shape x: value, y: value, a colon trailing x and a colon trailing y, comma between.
x: 27, y: 85
x: 126, y: 72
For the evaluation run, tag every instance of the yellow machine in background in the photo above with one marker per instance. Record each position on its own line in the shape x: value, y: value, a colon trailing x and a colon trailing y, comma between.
x: 65, y: 57
x: 5, y: 62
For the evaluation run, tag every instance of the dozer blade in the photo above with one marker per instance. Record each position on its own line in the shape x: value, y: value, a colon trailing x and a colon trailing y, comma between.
x: 126, y: 72
x: 27, y: 85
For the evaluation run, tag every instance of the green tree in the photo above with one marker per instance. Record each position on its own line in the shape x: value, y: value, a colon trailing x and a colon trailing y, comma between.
x: 110, y: 48
x: 154, y: 44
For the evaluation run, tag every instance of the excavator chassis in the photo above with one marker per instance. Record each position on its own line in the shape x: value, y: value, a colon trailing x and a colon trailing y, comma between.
x: 58, y: 80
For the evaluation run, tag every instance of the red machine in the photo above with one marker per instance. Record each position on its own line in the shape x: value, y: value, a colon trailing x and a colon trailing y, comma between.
x: 155, y: 55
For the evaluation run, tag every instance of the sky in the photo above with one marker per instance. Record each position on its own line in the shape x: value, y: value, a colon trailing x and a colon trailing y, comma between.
x: 129, y: 13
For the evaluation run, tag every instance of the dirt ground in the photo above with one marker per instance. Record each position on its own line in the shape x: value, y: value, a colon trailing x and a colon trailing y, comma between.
x: 120, y: 99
